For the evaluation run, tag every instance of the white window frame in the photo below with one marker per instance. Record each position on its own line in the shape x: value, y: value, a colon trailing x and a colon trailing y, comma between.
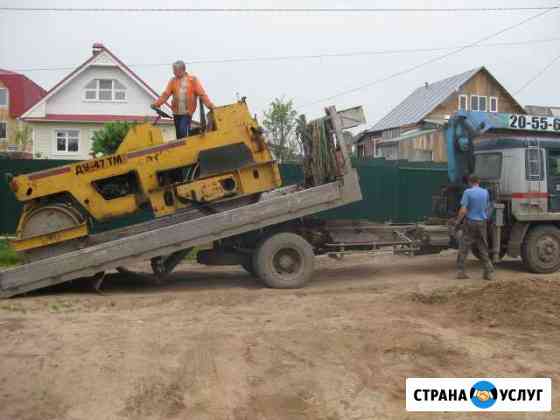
x: 472, y: 108
x: 55, y: 141
x: 7, y: 98
x: 495, y: 99
x: 466, y: 98
x: 485, y: 104
x: 97, y: 89
x: 4, y: 139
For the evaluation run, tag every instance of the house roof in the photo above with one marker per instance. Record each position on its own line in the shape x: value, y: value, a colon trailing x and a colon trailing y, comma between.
x: 98, y: 48
x: 550, y: 111
x: 23, y: 93
x: 424, y: 100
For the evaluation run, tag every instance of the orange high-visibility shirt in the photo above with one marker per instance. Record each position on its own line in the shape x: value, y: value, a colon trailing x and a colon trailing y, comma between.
x: 185, y: 92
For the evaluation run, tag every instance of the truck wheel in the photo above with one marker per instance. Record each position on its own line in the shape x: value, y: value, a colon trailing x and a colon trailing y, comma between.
x: 284, y: 261
x: 540, y: 251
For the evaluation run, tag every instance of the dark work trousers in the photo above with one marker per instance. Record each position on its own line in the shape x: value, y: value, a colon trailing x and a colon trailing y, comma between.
x: 182, y: 125
x: 474, y: 235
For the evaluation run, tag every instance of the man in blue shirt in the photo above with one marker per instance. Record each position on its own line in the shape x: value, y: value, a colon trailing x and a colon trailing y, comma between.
x: 474, y: 216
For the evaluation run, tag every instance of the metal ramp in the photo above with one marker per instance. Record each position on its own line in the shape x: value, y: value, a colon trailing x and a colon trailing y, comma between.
x: 276, y: 207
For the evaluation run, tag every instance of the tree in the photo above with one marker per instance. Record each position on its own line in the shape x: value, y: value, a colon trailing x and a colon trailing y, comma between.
x: 22, y: 137
x: 280, y: 123
x: 107, y: 140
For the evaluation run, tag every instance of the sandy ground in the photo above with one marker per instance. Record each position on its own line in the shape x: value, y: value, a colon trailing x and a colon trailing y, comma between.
x: 214, y: 344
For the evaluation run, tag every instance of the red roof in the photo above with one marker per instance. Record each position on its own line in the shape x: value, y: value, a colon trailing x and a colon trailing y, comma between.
x: 23, y: 93
x: 96, y: 118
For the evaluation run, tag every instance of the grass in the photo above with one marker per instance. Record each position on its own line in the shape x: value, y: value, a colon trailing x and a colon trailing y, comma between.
x: 191, y: 256
x: 7, y: 255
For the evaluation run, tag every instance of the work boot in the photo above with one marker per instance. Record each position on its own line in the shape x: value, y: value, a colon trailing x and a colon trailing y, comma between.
x: 461, y: 275
x: 488, y: 275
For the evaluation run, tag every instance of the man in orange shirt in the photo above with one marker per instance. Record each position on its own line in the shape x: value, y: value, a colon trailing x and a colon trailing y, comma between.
x: 186, y: 89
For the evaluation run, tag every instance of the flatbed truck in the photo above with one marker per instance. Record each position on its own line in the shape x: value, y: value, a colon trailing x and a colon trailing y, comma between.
x: 277, y: 238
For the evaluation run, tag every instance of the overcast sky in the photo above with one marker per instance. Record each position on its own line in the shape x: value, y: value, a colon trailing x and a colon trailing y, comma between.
x: 57, y: 39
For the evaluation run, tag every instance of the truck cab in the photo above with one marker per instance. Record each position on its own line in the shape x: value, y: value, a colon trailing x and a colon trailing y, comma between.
x: 517, y: 158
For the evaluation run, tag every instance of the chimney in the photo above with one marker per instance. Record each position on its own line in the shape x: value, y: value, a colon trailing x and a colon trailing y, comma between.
x: 97, y: 48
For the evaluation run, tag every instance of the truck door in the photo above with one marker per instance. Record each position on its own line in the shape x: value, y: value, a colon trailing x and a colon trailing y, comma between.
x: 553, y: 179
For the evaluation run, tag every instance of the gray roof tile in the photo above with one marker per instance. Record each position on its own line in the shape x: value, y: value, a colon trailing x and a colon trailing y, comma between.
x: 423, y: 101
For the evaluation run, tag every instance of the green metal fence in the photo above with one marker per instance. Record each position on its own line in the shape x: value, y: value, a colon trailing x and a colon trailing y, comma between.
x: 396, y: 191
x: 393, y: 191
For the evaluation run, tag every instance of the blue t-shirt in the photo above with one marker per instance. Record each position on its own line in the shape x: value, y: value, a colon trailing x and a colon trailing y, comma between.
x: 475, y: 200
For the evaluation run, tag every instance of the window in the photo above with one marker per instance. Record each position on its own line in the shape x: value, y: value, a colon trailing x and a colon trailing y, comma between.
x: 553, y: 163
x: 3, y: 97
x: 67, y: 141
x: 393, y: 133
x: 488, y: 165
x: 482, y: 104
x: 534, y: 164
x: 105, y: 90
x: 3, y: 130
x: 463, y: 103
x: 361, y: 151
x: 493, y: 104
x: 474, y: 102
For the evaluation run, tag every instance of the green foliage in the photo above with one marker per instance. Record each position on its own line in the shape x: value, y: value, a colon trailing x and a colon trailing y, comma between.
x: 107, y: 140
x: 22, y: 136
x: 7, y: 255
x: 280, y: 123
x: 191, y: 256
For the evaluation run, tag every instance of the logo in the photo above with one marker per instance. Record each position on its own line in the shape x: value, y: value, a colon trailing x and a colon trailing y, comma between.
x: 483, y: 394
x: 479, y: 394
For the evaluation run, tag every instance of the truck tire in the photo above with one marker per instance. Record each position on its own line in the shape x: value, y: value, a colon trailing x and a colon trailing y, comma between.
x: 284, y: 261
x: 540, y: 250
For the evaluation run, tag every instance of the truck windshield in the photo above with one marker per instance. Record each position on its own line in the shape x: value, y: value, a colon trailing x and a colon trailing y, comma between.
x: 488, y: 165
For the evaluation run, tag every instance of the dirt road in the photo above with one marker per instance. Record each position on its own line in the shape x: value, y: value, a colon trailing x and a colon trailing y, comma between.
x: 214, y: 344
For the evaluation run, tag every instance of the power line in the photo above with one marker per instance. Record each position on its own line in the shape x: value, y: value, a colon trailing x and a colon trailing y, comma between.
x: 536, y: 76
x: 274, y: 10
x: 313, y: 56
x: 427, y: 62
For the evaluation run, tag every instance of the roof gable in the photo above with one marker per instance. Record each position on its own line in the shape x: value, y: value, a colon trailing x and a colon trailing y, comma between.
x: 102, y: 56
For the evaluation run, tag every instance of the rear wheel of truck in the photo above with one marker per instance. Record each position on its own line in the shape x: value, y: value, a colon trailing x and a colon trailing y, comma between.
x: 540, y: 251
x: 284, y: 261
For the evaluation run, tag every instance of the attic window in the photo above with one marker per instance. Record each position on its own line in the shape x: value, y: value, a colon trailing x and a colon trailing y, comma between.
x: 493, y: 104
x: 3, y: 97
x: 482, y: 103
x: 463, y: 102
x: 105, y: 90
x: 474, y: 103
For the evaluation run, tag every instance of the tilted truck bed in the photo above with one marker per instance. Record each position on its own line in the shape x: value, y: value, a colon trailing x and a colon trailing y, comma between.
x: 275, y: 207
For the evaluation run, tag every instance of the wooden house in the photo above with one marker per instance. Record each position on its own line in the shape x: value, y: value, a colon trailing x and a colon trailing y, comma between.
x: 413, y: 130
x: 102, y: 89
